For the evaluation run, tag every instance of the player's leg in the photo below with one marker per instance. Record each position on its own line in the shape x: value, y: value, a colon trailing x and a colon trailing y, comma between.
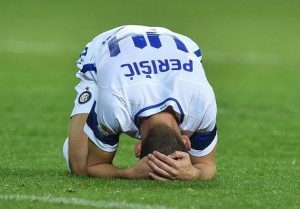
x: 66, y: 154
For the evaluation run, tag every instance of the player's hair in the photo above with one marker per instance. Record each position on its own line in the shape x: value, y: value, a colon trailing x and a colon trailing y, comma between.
x: 161, y: 138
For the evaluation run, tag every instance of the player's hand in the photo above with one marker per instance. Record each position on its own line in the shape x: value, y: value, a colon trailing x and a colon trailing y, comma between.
x: 175, y: 166
x: 141, y: 169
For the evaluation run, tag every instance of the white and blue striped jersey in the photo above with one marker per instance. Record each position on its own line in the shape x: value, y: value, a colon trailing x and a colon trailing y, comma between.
x: 136, y: 71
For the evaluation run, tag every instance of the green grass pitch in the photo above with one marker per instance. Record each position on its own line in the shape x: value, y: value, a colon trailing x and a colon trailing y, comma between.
x: 251, y: 57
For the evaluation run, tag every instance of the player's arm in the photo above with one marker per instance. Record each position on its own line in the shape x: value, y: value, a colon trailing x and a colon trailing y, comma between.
x: 103, y: 129
x: 85, y: 158
x: 78, y: 145
x: 100, y: 164
x: 202, y: 153
x: 205, y: 165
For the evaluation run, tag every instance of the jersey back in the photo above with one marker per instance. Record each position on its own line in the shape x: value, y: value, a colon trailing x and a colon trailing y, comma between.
x: 143, y: 70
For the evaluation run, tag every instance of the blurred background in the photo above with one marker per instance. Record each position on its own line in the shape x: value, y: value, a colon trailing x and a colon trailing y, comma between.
x: 250, y: 54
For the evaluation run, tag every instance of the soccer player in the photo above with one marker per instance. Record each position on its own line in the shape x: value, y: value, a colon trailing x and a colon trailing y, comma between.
x: 149, y: 83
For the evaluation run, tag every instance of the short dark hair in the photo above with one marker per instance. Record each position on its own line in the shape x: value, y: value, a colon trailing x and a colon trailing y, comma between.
x: 163, y: 139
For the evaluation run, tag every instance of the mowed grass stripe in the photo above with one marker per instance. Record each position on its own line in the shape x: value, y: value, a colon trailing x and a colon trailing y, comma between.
x: 36, y: 47
x: 48, y: 48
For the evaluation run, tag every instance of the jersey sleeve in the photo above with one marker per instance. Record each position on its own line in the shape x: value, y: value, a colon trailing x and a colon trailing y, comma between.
x: 87, y: 92
x: 205, y: 137
x: 203, y: 143
x: 107, y: 120
x: 100, y: 134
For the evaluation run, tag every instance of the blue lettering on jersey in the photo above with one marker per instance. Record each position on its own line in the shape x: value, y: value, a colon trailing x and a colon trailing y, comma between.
x: 147, y: 67
x: 140, y: 42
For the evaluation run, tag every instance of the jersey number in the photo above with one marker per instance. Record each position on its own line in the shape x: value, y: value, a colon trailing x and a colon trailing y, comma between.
x: 140, y: 42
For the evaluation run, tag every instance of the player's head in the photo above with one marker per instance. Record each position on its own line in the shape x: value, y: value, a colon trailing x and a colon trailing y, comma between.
x: 164, y: 139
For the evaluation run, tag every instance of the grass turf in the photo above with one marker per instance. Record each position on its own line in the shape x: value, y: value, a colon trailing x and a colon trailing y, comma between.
x: 250, y: 54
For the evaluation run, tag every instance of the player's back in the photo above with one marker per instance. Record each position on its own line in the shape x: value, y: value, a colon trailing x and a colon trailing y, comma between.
x: 143, y: 70
x: 140, y: 55
x: 142, y: 64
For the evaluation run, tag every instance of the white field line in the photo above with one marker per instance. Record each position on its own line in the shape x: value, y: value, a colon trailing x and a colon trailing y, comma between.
x: 79, y: 202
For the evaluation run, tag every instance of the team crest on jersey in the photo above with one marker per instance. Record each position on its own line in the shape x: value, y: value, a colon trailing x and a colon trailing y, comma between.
x: 84, y: 97
x: 104, y: 130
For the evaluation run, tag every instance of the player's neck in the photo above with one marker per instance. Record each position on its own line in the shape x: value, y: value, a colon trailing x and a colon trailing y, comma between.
x: 166, y: 117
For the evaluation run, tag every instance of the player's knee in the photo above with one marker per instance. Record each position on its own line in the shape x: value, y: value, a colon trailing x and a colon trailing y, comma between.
x: 66, y: 154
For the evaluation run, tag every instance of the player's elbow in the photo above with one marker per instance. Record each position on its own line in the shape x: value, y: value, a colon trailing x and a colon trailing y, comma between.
x: 209, y: 173
x: 206, y: 171
x: 79, y: 169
